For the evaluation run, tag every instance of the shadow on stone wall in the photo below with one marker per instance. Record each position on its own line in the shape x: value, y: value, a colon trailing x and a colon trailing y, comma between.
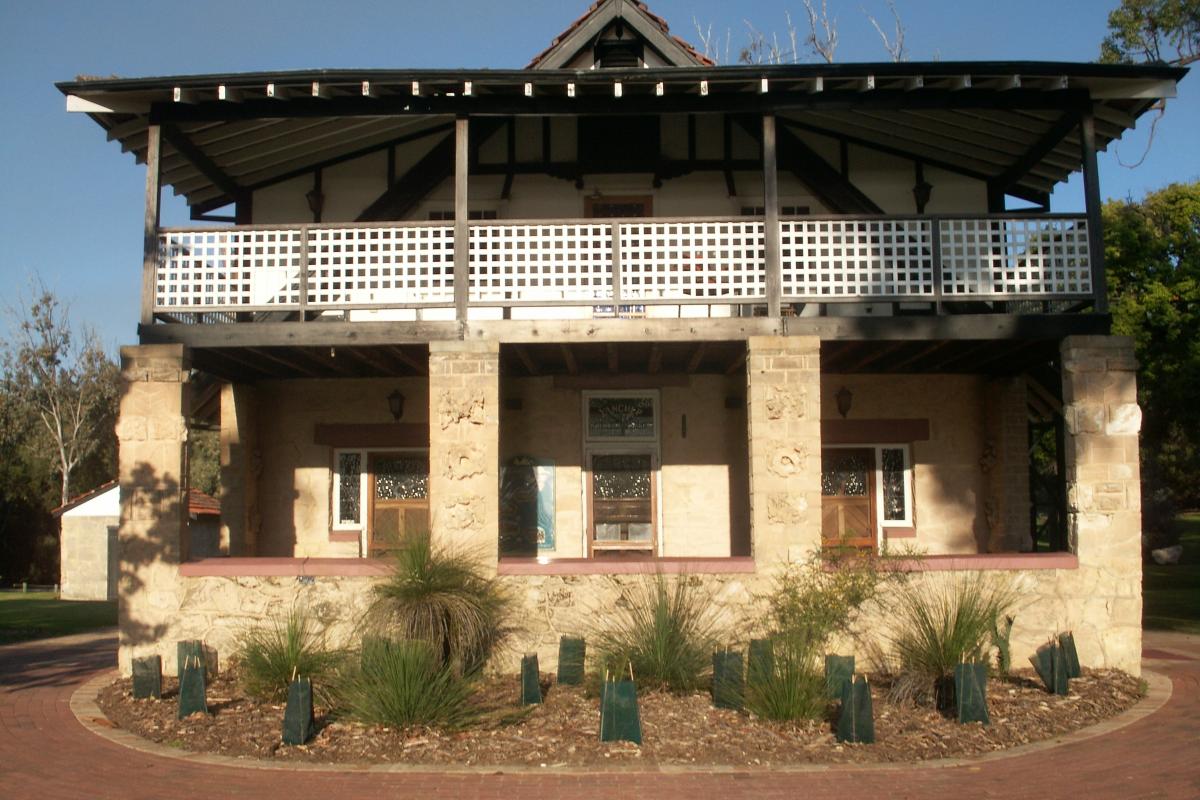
x: 149, y: 547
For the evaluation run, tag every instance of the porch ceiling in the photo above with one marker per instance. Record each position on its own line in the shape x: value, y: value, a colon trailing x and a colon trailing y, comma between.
x: 253, y: 364
x: 979, y: 357
x: 1013, y: 123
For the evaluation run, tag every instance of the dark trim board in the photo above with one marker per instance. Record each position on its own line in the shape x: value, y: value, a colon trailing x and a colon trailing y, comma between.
x: 874, y: 431
x: 388, y: 434
x: 366, y: 334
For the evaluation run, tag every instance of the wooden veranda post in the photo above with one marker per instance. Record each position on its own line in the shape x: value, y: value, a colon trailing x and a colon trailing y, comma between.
x: 150, y: 234
x: 1091, y: 196
x: 771, y: 218
x: 462, y: 230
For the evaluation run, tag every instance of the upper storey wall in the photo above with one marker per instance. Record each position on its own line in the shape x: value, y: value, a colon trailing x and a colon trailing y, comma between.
x: 350, y: 187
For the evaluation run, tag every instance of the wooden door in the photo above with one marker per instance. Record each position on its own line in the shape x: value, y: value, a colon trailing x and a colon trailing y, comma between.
x: 622, y: 504
x: 848, y: 497
x: 399, y: 499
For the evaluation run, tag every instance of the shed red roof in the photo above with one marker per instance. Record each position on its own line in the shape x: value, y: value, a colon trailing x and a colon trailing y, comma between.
x: 200, y: 503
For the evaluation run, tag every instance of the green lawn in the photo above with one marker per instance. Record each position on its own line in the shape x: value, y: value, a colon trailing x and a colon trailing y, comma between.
x: 1171, y: 595
x: 39, y: 615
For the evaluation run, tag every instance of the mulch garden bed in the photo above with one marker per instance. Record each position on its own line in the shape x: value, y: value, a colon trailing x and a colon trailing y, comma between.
x: 563, y: 731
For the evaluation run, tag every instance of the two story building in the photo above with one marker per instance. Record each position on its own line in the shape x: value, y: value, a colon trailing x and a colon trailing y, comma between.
x: 626, y: 311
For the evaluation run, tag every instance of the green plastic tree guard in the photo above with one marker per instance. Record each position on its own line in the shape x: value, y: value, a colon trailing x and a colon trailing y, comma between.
x: 147, y: 677
x: 298, y: 722
x: 193, y: 698
x: 1051, y: 667
x: 970, y: 692
x: 761, y: 662
x: 619, y: 720
x: 188, y: 649
x: 729, y: 683
x: 856, y: 723
x: 531, y: 690
x: 1067, y: 642
x: 839, y: 670
x: 571, y: 653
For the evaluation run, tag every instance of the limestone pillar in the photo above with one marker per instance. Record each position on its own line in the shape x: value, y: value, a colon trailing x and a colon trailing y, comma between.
x: 1104, y: 496
x: 1007, y: 463
x: 784, y: 411
x: 464, y: 447
x: 241, y: 465
x: 152, y: 436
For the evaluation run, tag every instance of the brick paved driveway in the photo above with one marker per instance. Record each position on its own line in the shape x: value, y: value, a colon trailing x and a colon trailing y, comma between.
x: 46, y: 753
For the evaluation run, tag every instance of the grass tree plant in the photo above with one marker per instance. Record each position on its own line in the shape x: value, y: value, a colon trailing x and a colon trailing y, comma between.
x: 274, y: 651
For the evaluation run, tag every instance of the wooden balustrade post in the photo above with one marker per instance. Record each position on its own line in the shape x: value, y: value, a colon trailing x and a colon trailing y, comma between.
x: 771, y: 244
x: 935, y: 237
x: 150, y: 230
x: 462, y: 229
x: 304, y: 260
x: 1091, y: 196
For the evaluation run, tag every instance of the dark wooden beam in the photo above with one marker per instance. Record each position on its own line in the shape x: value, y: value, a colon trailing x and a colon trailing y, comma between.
x: 1045, y: 145
x: 531, y: 366
x: 613, y: 358
x: 970, y: 351
x: 291, y: 364
x: 414, y: 185
x: 421, y: 367
x: 373, y: 359
x: 876, y: 353
x: 697, y: 357
x: 738, y: 362
x: 569, y: 359
x: 327, y: 358
x: 510, y: 157
x: 727, y: 138
x: 829, y: 185
x: 654, y: 362
x: 198, y: 159
x: 927, y: 350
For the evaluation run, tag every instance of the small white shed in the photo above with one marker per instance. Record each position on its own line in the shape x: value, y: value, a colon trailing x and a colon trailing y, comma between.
x: 88, y: 544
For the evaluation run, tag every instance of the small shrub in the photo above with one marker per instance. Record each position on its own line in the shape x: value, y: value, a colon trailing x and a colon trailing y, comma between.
x: 791, y: 687
x: 809, y: 604
x: 402, y: 684
x: 665, y: 630
x: 271, y: 652
x: 443, y: 598
x: 941, y: 622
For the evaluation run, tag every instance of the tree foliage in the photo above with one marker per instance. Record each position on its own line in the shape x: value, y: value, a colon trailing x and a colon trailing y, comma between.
x: 69, y: 389
x: 1152, y: 252
x: 1165, y: 31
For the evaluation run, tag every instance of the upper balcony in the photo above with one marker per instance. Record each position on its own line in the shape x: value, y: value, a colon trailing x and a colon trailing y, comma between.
x: 652, y: 267
x: 817, y: 197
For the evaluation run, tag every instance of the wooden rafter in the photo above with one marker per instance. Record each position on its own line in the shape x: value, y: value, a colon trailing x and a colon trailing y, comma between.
x: 697, y: 357
x: 654, y: 362
x: 614, y: 364
x: 526, y: 358
x: 569, y: 359
x: 291, y: 364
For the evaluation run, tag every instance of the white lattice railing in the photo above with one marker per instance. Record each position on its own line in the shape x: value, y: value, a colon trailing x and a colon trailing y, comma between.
x: 837, y: 259
x: 1015, y: 258
x: 602, y: 262
x: 541, y: 262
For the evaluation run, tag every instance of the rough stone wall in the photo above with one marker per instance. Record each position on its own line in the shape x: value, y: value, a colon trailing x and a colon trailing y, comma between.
x: 218, y: 609
x: 784, y: 409
x: 86, y: 558
x: 152, y: 436
x: 464, y: 446
x: 1104, y: 487
x: 1007, y: 460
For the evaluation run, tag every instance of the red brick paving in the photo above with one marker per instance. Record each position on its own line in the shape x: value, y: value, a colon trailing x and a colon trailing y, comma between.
x: 46, y: 754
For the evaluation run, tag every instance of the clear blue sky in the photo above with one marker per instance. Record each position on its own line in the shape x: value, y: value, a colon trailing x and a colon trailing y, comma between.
x: 71, y: 202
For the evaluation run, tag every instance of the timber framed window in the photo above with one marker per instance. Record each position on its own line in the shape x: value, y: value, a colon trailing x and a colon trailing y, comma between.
x: 383, y: 495
x: 621, y: 479
x: 865, y: 490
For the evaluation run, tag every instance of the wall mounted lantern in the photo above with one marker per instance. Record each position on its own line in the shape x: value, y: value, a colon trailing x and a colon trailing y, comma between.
x: 396, y: 404
x: 844, y: 400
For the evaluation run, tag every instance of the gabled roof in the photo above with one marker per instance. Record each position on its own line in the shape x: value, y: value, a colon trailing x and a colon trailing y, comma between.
x: 80, y: 499
x: 652, y: 29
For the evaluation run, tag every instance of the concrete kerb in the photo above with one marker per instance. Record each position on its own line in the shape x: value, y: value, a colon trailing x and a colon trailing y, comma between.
x: 88, y: 713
